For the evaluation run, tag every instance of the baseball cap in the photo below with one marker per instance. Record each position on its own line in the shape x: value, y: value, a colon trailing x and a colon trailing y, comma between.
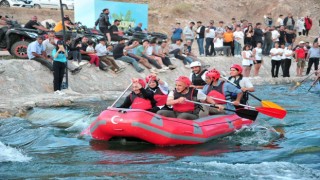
x: 301, y: 42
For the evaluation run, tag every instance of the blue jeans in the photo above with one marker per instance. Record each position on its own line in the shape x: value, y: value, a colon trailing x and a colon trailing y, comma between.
x: 200, y: 45
x: 131, y: 61
x: 288, y: 44
x: 187, y: 59
x: 237, y: 48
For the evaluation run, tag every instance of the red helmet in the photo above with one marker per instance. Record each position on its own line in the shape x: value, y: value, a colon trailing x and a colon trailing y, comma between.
x: 237, y: 67
x: 213, y: 74
x: 151, y: 78
x: 142, y: 83
x: 185, y: 80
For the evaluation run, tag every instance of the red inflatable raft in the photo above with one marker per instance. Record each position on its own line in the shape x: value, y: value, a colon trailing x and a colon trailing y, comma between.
x: 159, y: 130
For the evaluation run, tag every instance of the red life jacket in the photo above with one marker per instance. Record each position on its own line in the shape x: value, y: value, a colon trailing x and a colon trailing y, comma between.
x: 140, y: 102
x: 187, y: 106
x: 217, y: 92
x: 160, y: 97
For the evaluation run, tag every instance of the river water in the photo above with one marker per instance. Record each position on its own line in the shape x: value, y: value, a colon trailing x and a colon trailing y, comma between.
x: 46, y: 144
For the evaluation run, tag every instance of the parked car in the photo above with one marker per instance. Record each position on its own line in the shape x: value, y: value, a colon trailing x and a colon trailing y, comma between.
x: 53, y: 4
x: 16, y: 3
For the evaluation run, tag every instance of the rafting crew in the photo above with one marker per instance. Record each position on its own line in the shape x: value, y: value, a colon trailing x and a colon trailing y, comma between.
x: 198, y: 75
x: 181, y: 99
x: 140, y: 98
x: 159, y: 88
x: 242, y: 82
x: 221, y: 90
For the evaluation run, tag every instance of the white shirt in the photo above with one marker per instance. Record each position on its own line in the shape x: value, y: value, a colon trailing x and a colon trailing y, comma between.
x: 210, y: 34
x: 258, y: 55
x: 218, y: 42
x: 90, y: 49
x: 280, y: 22
x: 101, y: 50
x: 246, y: 61
x: 200, y: 96
x: 287, y: 54
x: 188, y: 33
x: 244, y: 83
x: 275, y: 35
x: 275, y: 51
x: 49, y: 47
x: 149, y: 51
x: 238, y: 36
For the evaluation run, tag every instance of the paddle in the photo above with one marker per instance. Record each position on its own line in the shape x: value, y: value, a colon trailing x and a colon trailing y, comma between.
x: 272, y: 112
x: 264, y: 103
x: 87, y: 130
x: 244, y: 113
x: 314, y: 83
x: 297, y: 84
x: 121, y: 95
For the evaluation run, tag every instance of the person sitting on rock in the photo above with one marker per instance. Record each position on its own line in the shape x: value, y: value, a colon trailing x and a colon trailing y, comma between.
x: 153, y: 51
x: 135, y: 55
x: 140, y: 98
x: 103, y: 51
x: 180, y: 100
x: 221, y: 90
x: 145, y: 51
x: 243, y: 82
x: 198, y: 75
x: 33, y: 24
x: 163, y: 52
x: 159, y: 88
x: 89, y: 56
x: 120, y: 53
x: 36, y: 51
x: 177, y: 49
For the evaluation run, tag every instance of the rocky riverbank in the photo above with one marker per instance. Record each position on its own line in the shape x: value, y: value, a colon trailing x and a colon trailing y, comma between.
x: 27, y: 84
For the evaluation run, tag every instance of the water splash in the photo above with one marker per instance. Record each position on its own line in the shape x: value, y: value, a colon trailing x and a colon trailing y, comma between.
x: 10, y: 154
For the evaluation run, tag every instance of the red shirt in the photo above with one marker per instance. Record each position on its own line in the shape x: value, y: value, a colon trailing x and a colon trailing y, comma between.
x: 300, y: 53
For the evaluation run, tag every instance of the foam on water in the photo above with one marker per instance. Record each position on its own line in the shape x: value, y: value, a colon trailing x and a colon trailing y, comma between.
x: 264, y: 170
x: 72, y: 120
x: 259, y: 133
x: 10, y: 154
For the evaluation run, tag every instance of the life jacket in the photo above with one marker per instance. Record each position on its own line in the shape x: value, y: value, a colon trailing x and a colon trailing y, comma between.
x: 197, y: 80
x: 187, y: 106
x: 159, y: 96
x: 217, y: 92
x: 139, y: 102
x: 245, y: 96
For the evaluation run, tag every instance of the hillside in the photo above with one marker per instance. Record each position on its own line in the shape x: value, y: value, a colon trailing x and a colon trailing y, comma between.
x: 164, y: 13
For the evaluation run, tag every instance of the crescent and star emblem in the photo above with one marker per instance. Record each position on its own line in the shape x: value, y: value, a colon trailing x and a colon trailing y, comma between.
x: 114, y: 121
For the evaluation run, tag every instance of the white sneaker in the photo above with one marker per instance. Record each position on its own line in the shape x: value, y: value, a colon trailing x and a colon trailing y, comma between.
x: 58, y: 92
x: 97, y: 68
x: 75, y: 63
x: 162, y: 70
x: 165, y: 67
x: 153, y: 70
x: 187, y: 66
x: 83, y: 63
x: 89, y: 65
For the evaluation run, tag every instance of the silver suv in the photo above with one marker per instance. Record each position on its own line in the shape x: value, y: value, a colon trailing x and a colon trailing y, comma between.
x: 16, y: 3
x: 53, y: 4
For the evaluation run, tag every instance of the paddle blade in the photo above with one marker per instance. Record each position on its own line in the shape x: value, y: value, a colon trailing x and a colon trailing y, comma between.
x: 269, y: 104
x: 247, y: 114
x: 272, y: 112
